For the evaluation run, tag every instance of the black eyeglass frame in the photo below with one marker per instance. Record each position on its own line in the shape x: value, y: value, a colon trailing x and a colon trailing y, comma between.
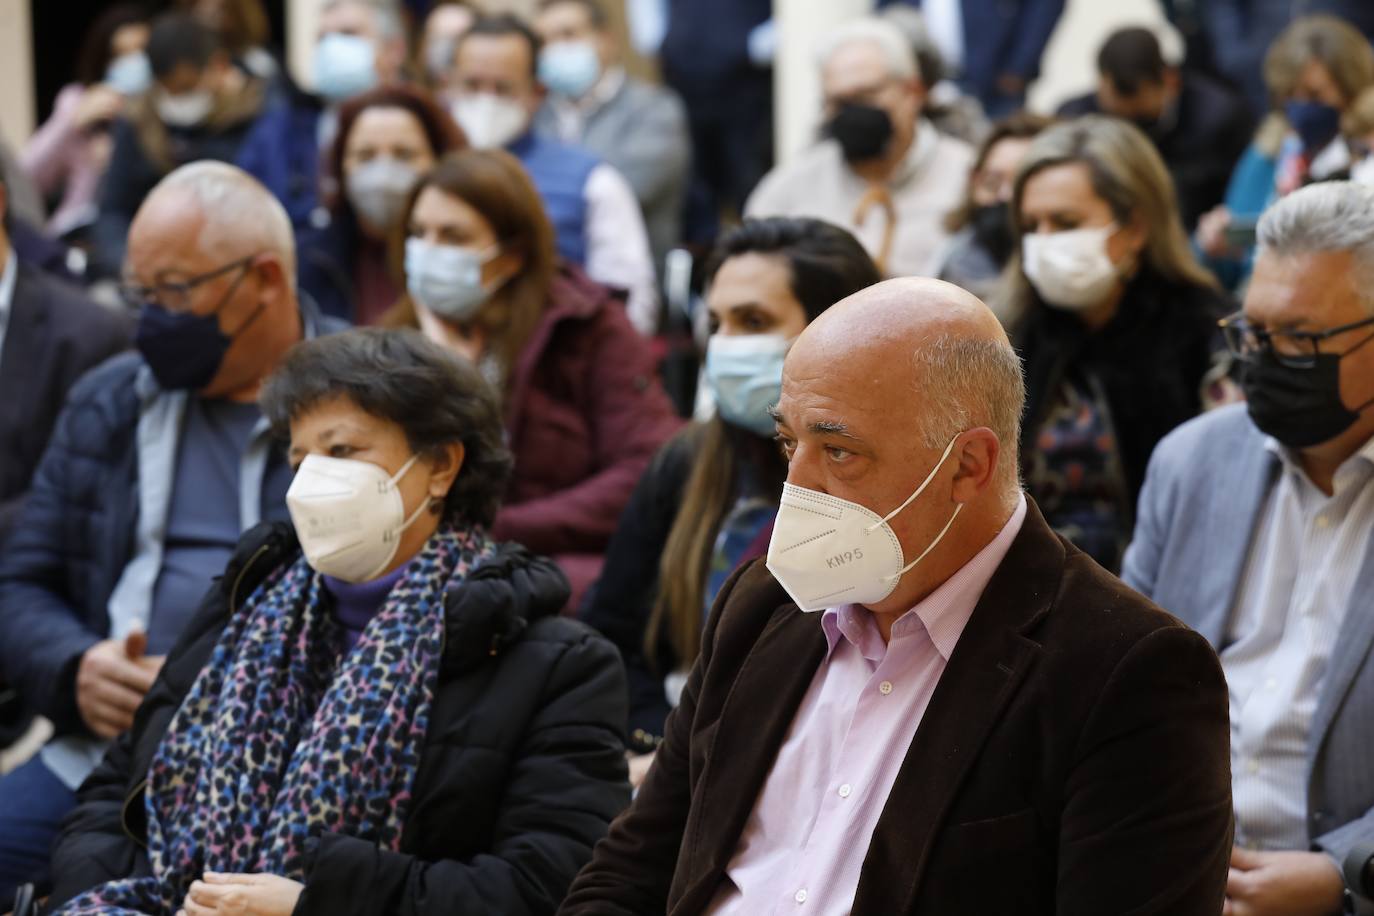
x: 1234, y: 328
x: 160, y: 294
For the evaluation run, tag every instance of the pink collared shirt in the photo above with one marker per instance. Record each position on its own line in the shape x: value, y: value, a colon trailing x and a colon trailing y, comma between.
x: 805, y: 841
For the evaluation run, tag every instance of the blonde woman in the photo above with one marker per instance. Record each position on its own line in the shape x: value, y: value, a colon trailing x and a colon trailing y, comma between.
x: 1314, y: 70
x: 1117, y: 324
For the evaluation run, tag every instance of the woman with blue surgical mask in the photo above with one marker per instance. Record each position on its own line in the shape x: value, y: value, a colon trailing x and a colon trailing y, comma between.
x: 707, y: 503
x: 67, y: 156
x: 1115, y: 320
x: 583, y: 406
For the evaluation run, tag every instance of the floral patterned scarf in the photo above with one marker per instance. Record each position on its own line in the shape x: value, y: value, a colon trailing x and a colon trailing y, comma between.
x: 281, y: 739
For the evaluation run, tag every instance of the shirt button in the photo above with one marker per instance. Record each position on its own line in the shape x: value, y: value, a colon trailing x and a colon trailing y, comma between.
x: 845, y: 790
x: 800, y: 896
x: 1252, y: 766
x: 885, y: 688
x: 1323, y: 522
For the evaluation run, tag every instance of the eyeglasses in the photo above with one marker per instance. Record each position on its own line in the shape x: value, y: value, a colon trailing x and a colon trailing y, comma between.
x: 1294, y: 349
x: 176, y: 296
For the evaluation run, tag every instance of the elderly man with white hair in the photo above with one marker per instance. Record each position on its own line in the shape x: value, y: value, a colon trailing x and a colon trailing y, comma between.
x: 882, y: 170
x: 925, y: 702
x: 160, y: 460
x: 1254, y: 527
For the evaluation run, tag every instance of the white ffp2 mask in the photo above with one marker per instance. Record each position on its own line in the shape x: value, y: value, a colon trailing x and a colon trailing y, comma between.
x: 349, y: 515
x: 1070, y: 270
x: 826, y: 551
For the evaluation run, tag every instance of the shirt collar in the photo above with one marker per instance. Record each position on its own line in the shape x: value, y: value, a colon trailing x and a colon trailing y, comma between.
x: 942, y: 614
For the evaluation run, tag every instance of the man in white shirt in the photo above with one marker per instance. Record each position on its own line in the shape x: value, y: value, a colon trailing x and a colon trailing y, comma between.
x: 1254, y: 527
x: 595, y: 216
x: 883, y: 171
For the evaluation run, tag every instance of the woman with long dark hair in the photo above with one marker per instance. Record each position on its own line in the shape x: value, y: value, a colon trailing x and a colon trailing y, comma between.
x: 706, y: 504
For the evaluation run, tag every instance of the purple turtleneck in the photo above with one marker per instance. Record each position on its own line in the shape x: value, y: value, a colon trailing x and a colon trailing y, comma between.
x: 356, y: 603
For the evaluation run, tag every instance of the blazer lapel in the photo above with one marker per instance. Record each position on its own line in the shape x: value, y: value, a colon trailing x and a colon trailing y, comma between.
x: 989, y: 662
x: 754, y: 721
x: 1238, y: 502
x: 1352, y: 647
x: 21, y: 362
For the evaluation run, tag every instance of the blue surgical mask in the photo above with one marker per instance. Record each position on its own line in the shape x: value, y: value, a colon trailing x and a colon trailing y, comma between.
x: 184, y: 351
x: 1315, y: 123
x: 570, y: 68
x: 345, y: 65
x: 745, y: 375
x: 447, y: 279
x: 130, y: 74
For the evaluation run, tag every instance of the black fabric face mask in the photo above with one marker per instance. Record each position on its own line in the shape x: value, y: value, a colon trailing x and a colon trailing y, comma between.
x: 863, y: 131
x: 1299, y: 407
x: 992, y: 229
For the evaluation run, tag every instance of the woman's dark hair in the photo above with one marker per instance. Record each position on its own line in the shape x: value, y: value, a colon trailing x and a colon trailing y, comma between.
x: 825, y: 264
x: 180, y: 38
x: 442, y: 132
x: 397, y: 375
x: 1023, y: 125
x: 94, y: 57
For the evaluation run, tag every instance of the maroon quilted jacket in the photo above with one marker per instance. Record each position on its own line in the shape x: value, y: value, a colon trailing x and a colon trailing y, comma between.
x: 585, y: 413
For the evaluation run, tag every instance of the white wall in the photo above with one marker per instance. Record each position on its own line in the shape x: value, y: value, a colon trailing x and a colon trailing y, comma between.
x: 16, y: 72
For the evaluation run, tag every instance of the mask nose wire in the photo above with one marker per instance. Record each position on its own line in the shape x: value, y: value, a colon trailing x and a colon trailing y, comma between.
x: 919, y: 490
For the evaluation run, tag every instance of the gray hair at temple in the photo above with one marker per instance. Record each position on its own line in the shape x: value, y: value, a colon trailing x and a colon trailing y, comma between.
x: 241, y: 217
x: 1328, y: 217
x: 888, y: 37
x: 967, y: 383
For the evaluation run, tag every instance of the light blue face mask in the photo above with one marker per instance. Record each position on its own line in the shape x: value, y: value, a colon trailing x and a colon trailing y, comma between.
x: 447, y: 279
x: 570, y: 68
x: 745, y: 375
x: 130, y: 74
x: 344, y: 66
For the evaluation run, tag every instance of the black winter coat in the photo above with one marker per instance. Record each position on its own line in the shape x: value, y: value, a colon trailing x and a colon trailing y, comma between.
x: 521, y: 771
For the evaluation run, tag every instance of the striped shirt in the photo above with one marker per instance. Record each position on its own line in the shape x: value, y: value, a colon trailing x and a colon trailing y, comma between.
x: 1303, y: 561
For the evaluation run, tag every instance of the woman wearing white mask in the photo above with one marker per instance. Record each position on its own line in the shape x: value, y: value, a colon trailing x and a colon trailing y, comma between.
x: 583, y: 405
x: 67, y: 156
x: 408, y: 723
x: 387, y: 138
x: 1117, y: 324
x: 706, y: 505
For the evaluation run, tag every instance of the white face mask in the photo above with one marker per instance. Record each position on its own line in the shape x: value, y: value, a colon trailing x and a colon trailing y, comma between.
x: 377, y: 190
x: 349, y: 515
x: 826, y: 551
x: 185, y: 109
x: 489, y: 120
x: 1070, y: 270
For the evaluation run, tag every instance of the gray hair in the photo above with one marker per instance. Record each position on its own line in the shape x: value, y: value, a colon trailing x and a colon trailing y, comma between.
x: 890, y: 39
x: 1328, y: 217
x: 966, y: 383
x: 387, y: 13
x: 241, y: 217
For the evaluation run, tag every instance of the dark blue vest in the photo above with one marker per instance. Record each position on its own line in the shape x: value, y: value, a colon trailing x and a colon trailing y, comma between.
x: 560, y: 174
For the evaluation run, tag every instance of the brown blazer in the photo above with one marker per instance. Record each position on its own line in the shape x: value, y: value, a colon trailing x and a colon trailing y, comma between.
x: 1074, y: 758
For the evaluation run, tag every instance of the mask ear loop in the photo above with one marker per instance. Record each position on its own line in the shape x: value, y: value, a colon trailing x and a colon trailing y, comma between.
x: 919, y: 490
x: 959, y: 507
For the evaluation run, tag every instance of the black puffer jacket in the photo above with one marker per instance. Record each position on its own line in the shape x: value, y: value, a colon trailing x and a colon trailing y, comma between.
x: 521, y: 772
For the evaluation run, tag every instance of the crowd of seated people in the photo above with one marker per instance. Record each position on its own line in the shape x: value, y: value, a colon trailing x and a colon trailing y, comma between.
x: 358, y: 553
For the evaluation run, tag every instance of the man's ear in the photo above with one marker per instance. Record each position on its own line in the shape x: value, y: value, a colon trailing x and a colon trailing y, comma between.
x: 977, y: 456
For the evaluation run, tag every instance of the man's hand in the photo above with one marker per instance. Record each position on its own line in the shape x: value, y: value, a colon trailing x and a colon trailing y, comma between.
x: 1282, y: 884
x: 110, y: 683
x: 241, y: 895
x: 99, y: 104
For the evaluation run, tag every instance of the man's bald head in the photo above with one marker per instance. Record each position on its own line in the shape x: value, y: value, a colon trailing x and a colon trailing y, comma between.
x: 930, y: 340
x: 223, y: 211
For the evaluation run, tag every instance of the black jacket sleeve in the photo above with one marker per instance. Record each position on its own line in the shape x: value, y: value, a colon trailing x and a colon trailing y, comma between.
x: 566, y: 784
x: 620, y: 604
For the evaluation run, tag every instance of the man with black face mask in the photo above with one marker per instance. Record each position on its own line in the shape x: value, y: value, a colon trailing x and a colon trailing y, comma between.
x: 159, y: 462
x: 1254, y: 527
x: 881, y: 171
x: 1200, y: 126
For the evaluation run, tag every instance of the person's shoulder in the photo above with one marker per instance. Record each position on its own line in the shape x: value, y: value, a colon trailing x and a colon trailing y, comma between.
x: 785, y: 189
x: 1078, y: 105
x: 1206, y: 442
x: 110, y: 383
x: 954, y: 153
x: 71, y: 307
x: 638, y: 94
